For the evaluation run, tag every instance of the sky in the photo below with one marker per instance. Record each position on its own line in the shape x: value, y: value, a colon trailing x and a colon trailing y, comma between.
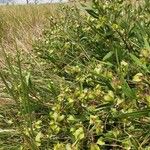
x: 41, y: 1
x: 31, y: 1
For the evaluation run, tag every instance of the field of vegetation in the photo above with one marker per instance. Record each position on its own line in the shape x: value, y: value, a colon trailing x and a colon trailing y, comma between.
x: 75, y: 77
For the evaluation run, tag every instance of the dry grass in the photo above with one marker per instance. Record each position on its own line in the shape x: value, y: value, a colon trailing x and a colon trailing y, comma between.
x: 24, y: 23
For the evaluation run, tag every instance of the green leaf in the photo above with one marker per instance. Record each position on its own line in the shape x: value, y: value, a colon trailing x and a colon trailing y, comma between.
x: 28, y: 80
x: 138, y: 62
x: 135, y: 114
x: 100, y: 142
x: 59, y: 146
x: 92, y: 13
x: 79, y: 134
x: 147, y: 46
x: 38, y: 138
x: 68, y: 147
x: 108, y: 55
x: 128, y: 91
x: 94, y: 147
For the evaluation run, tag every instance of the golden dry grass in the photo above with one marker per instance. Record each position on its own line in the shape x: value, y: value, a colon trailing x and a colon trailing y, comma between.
x: 23, y: 22
x: 22, y: 25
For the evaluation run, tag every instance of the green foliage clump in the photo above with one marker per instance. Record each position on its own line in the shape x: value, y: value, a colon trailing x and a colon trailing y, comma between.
x: 91, y: 90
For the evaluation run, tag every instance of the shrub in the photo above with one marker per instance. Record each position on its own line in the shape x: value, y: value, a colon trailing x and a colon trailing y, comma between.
x: 91, y: 90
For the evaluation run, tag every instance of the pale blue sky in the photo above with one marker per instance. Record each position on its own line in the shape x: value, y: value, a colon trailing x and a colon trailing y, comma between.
x: 41, y: 1
x: 32, y: 1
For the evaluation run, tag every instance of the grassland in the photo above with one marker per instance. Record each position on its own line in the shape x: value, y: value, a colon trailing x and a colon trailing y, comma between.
x: 78, y: 81
x: 24, y: 23
x: 20, y: 25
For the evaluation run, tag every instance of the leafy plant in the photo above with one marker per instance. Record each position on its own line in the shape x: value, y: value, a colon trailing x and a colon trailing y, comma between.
x: 88, y: 87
